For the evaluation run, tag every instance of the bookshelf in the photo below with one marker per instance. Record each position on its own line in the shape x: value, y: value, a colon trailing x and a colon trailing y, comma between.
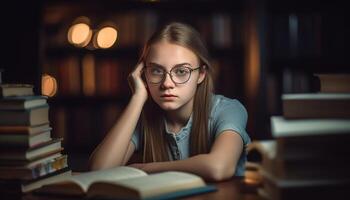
x: 301, y: 38
x: 20, y: 60
x: 92, y: 85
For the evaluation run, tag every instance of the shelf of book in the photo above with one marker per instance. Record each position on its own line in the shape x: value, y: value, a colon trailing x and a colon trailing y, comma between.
x: 190, y: 6
x: 87, y: 100
x: 310, y: 64
x: 132, y: 52
x: 302, y: 38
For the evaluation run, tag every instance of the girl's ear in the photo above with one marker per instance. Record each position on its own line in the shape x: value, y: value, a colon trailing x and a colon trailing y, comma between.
x: 202, y: 74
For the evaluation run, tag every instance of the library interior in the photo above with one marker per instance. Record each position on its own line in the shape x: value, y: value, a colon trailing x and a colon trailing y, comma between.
x: 285, y: 61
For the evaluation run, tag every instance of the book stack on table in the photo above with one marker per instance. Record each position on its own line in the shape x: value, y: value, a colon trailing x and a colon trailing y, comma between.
x: 308, y: 157
x: 29, y: 156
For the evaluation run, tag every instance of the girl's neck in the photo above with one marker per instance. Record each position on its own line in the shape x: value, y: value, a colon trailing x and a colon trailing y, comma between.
x: 179, y: 117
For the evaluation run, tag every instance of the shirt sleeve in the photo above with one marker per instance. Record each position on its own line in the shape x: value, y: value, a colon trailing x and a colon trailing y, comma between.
x: 230, y: 114
x: 135, y: 139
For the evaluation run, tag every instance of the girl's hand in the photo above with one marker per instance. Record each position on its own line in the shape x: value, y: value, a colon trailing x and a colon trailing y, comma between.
x: 151, y: 167
x: 140, y: 166
x: 136, y: 84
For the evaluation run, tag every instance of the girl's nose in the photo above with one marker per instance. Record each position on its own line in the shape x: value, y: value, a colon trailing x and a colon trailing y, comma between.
x: 167, y: 82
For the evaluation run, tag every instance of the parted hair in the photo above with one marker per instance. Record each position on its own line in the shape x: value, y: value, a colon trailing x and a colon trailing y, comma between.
x: 155, y: 147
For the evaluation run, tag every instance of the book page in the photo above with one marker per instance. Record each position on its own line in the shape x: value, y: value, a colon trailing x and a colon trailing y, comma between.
x: 267, y: 148
x: 148, y: 186
x: 113, y: 174
x: 79, y: 184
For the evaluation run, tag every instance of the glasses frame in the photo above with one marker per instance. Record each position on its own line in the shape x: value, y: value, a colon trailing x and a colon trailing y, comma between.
x: 171, y: 76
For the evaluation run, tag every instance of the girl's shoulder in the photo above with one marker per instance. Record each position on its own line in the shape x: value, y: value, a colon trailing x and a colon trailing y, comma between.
x: 220, y: 101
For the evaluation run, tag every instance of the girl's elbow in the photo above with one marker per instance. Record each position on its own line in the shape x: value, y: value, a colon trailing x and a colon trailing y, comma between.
x: 100, y: 164
x: 96, y: 163
x: 220, y: 172
x: 93, y: 165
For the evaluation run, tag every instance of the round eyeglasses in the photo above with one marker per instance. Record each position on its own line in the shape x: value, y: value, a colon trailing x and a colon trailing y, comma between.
x: 178, y: 74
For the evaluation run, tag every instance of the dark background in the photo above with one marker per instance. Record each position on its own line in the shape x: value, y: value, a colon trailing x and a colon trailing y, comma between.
x: 273, y: 47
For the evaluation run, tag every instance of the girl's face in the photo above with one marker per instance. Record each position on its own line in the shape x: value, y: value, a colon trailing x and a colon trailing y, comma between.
x: 163, y: 57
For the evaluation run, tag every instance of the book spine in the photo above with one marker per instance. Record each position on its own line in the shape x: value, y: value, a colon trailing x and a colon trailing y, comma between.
x: 48, y: 167
x: 36, y: 171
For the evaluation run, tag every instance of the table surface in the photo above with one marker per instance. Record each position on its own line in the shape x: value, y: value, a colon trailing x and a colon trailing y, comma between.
x: 234, y: 189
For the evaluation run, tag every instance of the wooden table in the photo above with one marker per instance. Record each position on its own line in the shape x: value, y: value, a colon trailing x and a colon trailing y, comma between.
x: 234, y: 189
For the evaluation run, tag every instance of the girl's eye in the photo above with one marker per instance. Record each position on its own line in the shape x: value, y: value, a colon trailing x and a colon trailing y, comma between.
x: 181, y: 71
x: 155, y: 70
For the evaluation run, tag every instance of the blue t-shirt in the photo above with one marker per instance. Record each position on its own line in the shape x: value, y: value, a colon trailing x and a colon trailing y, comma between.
x: 226, y: 114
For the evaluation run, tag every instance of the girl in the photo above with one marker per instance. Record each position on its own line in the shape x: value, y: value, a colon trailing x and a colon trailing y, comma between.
x: 173, y: 117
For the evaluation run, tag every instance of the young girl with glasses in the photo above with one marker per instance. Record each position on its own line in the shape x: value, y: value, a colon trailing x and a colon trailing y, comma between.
x: 173, y: 119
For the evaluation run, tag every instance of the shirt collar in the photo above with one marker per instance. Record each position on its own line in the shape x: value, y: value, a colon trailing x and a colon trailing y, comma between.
x: 183, y: 132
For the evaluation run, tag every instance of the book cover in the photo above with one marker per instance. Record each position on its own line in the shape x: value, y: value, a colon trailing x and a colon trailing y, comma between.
x: 288, y: 164
x: 282, y: 127
x: 34, y: 171
x: 307, y: 138
x: 25, y: 130
x: 24, y: 140
x: 316, y: 105
x: 7, y: 153
x: 32, y: 162
x: 24, y: 186
x: 11, y: 89
x: 29, y: 117
x: 22, y: 102
x: 277, y: 188
x: 334, y: 83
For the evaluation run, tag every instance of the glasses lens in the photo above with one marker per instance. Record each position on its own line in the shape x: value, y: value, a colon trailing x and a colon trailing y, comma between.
x: 181, y: 74
x: 154, y: 74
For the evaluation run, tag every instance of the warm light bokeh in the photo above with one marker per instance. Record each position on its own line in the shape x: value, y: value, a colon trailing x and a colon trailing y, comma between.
x: 79, y: 34
x: 106, y: 37
x: 48, y: 85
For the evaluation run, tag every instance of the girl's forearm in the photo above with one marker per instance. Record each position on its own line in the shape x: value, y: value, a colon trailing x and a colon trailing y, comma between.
x: 114, y: 146
x: 204, y: 165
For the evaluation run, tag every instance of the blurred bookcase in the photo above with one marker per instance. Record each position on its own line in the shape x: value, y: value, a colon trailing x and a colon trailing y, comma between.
x: 92, y: 84
x: 300, y: 39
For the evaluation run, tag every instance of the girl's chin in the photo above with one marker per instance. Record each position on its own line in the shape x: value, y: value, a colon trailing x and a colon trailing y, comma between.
x: 167, y: 106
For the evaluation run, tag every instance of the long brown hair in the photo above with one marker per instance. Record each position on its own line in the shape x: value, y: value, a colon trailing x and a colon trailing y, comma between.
x: 155, y: 147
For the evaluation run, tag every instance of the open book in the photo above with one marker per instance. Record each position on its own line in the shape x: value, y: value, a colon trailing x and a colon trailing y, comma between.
x: 129, y: 183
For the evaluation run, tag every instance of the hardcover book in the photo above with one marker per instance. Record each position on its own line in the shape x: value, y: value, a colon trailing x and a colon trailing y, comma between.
x: 29, y: 117
x: 7, y: 90
x: 316, y: 105
x: 128, y: 183
x: 22, y: 102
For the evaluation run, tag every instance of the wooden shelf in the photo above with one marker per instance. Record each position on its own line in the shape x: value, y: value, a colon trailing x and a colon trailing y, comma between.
x: 121, y: 52
x: 190, y: 6
x: 87, y: 100
x: 134, y: 52
x: 311, y: 64
x: 302, y: 6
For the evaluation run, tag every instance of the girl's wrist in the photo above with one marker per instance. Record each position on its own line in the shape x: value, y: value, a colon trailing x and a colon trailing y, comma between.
x: 139, y: 97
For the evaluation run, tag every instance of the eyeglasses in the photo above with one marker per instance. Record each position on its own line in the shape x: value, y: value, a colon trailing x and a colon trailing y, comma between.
x: 178, y: 74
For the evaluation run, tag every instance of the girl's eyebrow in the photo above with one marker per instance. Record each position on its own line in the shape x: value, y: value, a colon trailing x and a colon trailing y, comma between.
x: 161, y: 66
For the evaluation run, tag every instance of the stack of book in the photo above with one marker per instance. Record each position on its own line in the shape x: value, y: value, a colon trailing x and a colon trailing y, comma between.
x: 29, y: 156
x: 308, y: 157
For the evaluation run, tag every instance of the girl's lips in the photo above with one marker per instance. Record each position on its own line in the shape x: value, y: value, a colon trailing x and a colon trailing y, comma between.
x: 167, y: 95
